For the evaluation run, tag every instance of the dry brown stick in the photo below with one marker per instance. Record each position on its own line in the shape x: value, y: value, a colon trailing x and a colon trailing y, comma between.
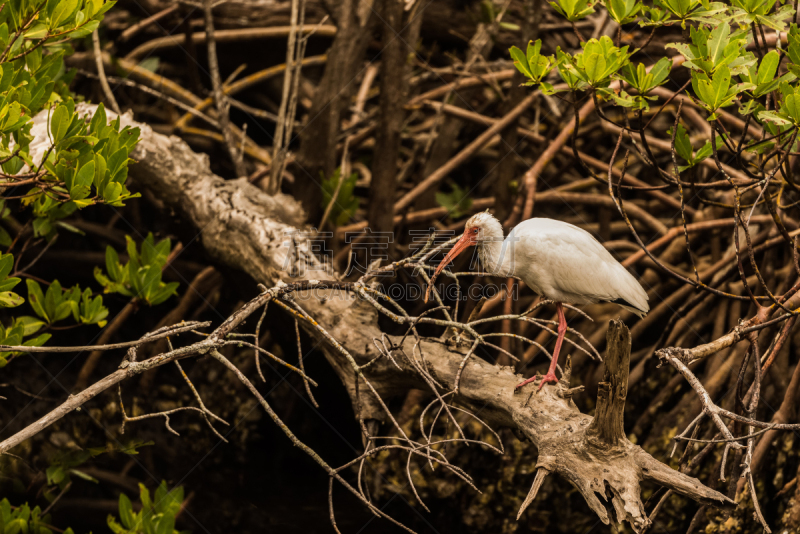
x: 144, y: 23
x: 207, y: 345
x: 101, y: 73
x: 223, y: 107
x: 692, y: 228
x: 692, y: 355
x: 302, y: 365
x: 206, y: 411
x: 787, y: 413
x: 132, y: 368
x: 739, y: 177
x: 464, y: 83
x: 170, y: 88
x: 75, y: 401
x: 467, y: 152
x: 596, y: 199
x: 202, y: 283
x: 753, y: 129
x: 254, y: 152
x: 227, y: 36
x: 363, y: 92
x: 713, y: 409
x: 442, y: 133
x: 418, y: 216
x: 526, y: 210
x: 531, y: 176
x: 393, y: 88
x: 148, y: 338
x: 550, y: 196
x: 144, y: 88
x: 294, y: 56
x: 94, y: 357
x: 247, y: 82
x: 165, y: 414
x: 594, y: 162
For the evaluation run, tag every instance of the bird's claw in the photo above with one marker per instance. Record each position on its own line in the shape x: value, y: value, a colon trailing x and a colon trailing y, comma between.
x: 549, y: 377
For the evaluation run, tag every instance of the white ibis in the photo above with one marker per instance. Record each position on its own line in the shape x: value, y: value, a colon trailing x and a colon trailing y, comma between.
x: 558, y: 260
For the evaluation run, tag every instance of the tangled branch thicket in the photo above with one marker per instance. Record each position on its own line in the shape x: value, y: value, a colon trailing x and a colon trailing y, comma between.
x: 667, y: 129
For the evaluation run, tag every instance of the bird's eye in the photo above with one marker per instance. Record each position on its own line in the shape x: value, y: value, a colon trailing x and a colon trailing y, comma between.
x: 474, y: 230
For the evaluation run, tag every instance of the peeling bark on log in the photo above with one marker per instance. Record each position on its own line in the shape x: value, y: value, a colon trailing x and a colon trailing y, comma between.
x: 607, y: 426
x: 246, y: 229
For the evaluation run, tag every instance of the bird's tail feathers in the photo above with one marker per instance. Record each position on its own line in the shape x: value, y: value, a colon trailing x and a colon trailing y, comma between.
x: 631, y: 307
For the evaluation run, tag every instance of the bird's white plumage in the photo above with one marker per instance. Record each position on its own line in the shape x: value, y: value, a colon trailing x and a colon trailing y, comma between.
x: 558, y: 261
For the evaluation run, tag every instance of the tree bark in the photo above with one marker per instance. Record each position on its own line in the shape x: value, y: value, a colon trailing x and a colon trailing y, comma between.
x: 399, y: 37
x: 507, y: 168
x: 317, y: 153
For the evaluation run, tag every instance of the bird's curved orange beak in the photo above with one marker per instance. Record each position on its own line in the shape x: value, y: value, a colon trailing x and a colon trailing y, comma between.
x: 467, y: 240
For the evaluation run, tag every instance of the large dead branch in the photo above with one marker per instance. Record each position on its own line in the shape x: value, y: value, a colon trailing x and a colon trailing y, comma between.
x: 248, y: 230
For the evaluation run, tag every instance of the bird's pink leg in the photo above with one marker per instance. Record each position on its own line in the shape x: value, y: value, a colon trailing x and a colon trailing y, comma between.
x: 551, y: 373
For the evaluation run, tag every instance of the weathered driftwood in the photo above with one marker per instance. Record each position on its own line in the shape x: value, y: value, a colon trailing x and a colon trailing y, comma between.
x: 246, y: 229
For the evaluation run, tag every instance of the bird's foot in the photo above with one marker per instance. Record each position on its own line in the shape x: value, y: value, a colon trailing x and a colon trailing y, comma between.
x: 549, y: 377
x: 528, y: 381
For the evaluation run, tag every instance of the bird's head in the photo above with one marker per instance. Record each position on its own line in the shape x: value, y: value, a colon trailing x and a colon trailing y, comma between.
x: 480, y: 227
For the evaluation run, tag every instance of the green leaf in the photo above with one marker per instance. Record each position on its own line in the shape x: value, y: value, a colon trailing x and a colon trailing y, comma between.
x: 457, y: 202
x: 99, y: 178
x: 683, y: 145
x: 573, y: 10
x: 126, y: 511
x: 99, y: 120
x: 36, y: 298
x: 520, y: 61
x: 52, y: 299
x: 151, y: 64
x: 85, y: 476
x: 166, y: 524
x: 115, y: 527
x: 84, y: 30
x: 151, y: 279
x: 63, y: 12
x: 704, y: 151
x: 792, y: 106
x: 775, y: 118
x: 82, y: 182
x: 36, y: 31
x: 113, y: 266
x: 9, y: 283
x: 6, y: 264
x: 718, y: 40
x: 660, y: 71
x: 59, y: 123
x: 623, y: 11
x: 595, y: 66
x: 112, y: 192
x: 9, y: 299
x: 144, y: 496
x: 702, y: 88
x: 5, y: 238
x: 164, y: 293
x: 346, y: 203
x: 30, y: 325
x: 768, y: 67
